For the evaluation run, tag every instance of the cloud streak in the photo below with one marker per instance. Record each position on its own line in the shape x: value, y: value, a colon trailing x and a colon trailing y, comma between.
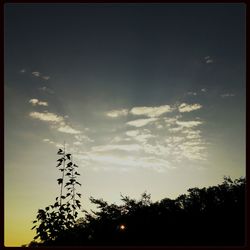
x: 55, y: 120
x: 141, y: 122
x: 227, y: 95
x: 123, y: 147
x: 67, y: 129
x: 151, y: 111
x: 40, y: 75
x: 188, y: 124
x: 36, y: 73
x: 36, y: 102
x: 208, y: 59
x: 46, y: 116
x: 117, y: 113
x: 184, y: 107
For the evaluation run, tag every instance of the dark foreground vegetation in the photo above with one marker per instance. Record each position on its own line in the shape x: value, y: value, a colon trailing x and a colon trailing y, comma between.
x: 213, y: 216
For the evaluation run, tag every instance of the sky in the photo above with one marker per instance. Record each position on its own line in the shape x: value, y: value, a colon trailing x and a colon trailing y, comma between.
x: 147, y: 97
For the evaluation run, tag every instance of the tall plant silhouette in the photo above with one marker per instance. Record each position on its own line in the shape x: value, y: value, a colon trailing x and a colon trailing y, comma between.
x: 55, y: 219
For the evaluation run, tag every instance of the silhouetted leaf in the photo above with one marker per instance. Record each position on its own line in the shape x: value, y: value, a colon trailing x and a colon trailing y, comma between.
x: 56, y: 204
x: 41, y: 211
x: 79, y: 195
x: 34, y: 221
x: 33, y: 227
x: 60, y: 180
x: 78, y: 183
x: 77, y: 173
x: 68, y: 156
x: 60, y: 152
x: 69, y: 164
x: 36, y: 237
x: 59, y: 164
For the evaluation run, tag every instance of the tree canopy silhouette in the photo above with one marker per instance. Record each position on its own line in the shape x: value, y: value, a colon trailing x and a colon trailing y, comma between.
x: 213, y: 216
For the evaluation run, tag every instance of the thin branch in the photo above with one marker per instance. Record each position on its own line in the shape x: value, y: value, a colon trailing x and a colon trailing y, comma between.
x: 62, y: 173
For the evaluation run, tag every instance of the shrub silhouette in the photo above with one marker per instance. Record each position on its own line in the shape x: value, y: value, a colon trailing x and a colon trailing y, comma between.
x: 213, y: 216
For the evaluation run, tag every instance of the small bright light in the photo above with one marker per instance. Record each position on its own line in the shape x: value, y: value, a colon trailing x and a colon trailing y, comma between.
x: 122, y: 227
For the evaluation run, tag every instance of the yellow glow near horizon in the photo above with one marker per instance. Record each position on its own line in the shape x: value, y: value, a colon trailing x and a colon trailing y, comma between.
x: 15, y: 235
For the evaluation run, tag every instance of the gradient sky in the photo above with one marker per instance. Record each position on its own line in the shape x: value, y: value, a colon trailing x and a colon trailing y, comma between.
x: 148, y: 97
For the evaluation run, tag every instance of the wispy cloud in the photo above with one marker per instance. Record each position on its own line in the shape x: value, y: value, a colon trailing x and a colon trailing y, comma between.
x: 46, y: 77
x: 77, y: 143
x: 110, y: 161
x: 40, y: 75
x: 120, y: 139
x: 203, y: 90
x: 138, y: 143
x: 36, y: 73
x: 192, y: 134
x: 227, y: 95
x: 188, y: 124
x: 193, y: 152
x: 142, y: 135
x: 151, y: 111
x: 170, y: 120
x: 174, y: 139
x: 22, y: 71
x: 56, y: 121
x: 147, y: 149
x: 124, y: 147
x: 159, y: 126
x: 184, y: 107
x: 141, y: 122
x: 83, y: 138
x: 48, y: 141
x: 208, y: 59
x: 132, y: 133
x: 117, y: 113
x: 36, y: 102
x: 67, y: 129
x: 175, y: 129
x: 46, y: 116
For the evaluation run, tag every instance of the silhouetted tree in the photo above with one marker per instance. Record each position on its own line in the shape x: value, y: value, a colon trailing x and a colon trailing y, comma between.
x: 59, y: 219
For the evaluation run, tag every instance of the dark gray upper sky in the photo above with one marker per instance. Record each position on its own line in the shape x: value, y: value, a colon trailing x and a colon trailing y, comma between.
x: 152, y: 93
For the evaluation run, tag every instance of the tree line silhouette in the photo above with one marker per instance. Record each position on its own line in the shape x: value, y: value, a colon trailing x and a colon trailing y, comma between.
x: 213, y: 216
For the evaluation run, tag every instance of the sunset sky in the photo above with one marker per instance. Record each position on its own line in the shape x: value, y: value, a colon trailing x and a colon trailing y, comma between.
x: 147, y: 97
